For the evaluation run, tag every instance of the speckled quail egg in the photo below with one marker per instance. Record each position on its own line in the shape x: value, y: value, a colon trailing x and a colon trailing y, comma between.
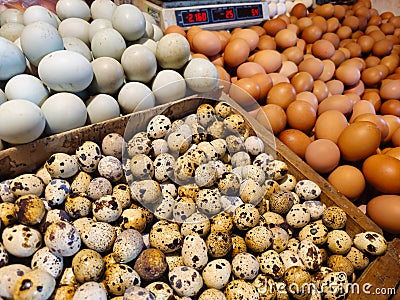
x: 316, y: 208
x: 174, y: 260
x: 3, y: 256
x: 298, y: 216
x: 212, y: 294
x: 64, y: 292
x: 205, y: 175
x: 112, y: 145
x: 238, y: 245
x: 238, y: 287
x: 205, y: 114
x: 146, y: 191
x: 218, y: 244
x: 258, y: 239
x: 310, y: 255
x: 56, y: 191
x: 271, y: 264
x: 54, y: 215
x: 229, y: 184
x: 230, y: 203
x: 141, y: 166
x: 37, y: 284
x: 166, y: 237
x: 133, y: 218
x: 99, y: 187
x: 159, y: 146
x: 290, y: 259
x: 21, y: 241
x: 288, y: 182
x: 88, y: 265
x: 197, y: 156
x: 339, y: 263
x: 246, y: 216
x: 88, y: 156
x: 45, y: 259
x: 262, y: 160
x: 334, y: 286
x: 138, y: 293
x: 370, y: 242
x: 68, y: 277
x: 183, y: 208
x: 164, y: 210
x: 315, y: 231
x: 240, y: 159
x: 138, y: 144
x: 281, y: 202
x: 334, y: 217
x: 29, y: 209
x: 220, y: 146
x: 163, y: 167
x: 184, y: 169
x: 186, y: 281
x: 271, y: 219
x: 81, y: 182
x: 188, y: 190
x: 158, y: 126
x: 297, y: 277
x: 235, y: 123
x: 169, y: 188
x: 110, y: 168
x: 90, y: 290
x: 234, y: 144
x: 280, y: 239
x: 253, y: 172
x: 251, y: 191
x: 179, y: 141
x: 189, y: 119
x: 222, y: 222
x: 217, y: 129
x: 77, y: 205
x: 276, y: 170
x: 194, y: 252
x: 150, y: 264
x: 122, y: 193
x: 107, y: 209
x: 6, y: 194
x: 128, y: 245
x: 254, y: 145
x: 9, y: 275
x: 339, y: 242
x: 307, y: 190
x: 27, y: 184
x: 62, y: 165
x: 216, y: 273
x: 209, y: 201
x: 62, y: 238
x: 197, y: 223
x: 265, y: 286
x: 293, y: 244
x: 358, y: 259
x: 160, y: 290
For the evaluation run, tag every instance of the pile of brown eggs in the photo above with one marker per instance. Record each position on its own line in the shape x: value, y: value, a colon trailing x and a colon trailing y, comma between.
x: 227, y: 221
x: 328, y: 82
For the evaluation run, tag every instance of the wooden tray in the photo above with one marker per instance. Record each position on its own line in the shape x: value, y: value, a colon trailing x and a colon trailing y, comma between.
x: 383, y: 272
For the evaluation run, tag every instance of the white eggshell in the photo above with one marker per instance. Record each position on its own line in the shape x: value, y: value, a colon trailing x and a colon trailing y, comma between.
x: 139, y: 63
x: 149, y: 43
x: 39, y: 39
x: 39, y: 13
x: 11, y: 15
x: 64, y: 111
x: 75, y: 27
x: 108, y: 76
x: 101, y: 108
x: 168, y: 86
x: 102, y: 9
x: 149, y: 18
x: 158, y: 34
x: 108, y: 42
x: 97, y: 25
x: 281, y: 8
x: 135, y: 96
x: 3, y: 97
x: 149, y: 31
x: 272, y: 9
x: 173, y: 51
x: 27, y: 87
x: 74, y: 44
x: 65, y: 70
x: 12, y: 60
x: 11, y: 31
x: 129, y: 21
x: 201, y: 75
x: 21, y: 121
x: 73, y: 9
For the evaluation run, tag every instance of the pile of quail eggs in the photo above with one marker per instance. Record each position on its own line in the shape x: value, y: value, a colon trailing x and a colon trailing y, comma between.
x: 193, y: 208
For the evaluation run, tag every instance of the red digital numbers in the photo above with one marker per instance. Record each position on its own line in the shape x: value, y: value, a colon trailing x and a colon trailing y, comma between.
x: 254, y: 12
x: 197, y: 17
x: 229, y: 14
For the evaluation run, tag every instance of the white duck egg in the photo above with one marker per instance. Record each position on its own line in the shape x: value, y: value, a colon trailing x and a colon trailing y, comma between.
x: 201, y: 75
x: 139, y: 63
x: 102, y: 9
x: 108, y: 42
x: 149, y: 18
x: 108, y: 76
x: 39, y: 13
x: 129, y: 21
x: 11, y: 31
x: 74, y: 44
x: 149, y: 30
x: 39, y: 39
x: 12, y: 59
x: 149, y: 43
x: 75, y: 27
x: 11, y: 15
x: 135, y: 96
x: 21, y: 121
x: 73, y: 9
x: 64, y: 111
x: 173, y: 51
x: 101, y: 108
x: 97, y: 25
x: 27, y: 87
x: 65, y: 70
x: 168, y: 86
x: 3, y: 97
x: 158, y: 34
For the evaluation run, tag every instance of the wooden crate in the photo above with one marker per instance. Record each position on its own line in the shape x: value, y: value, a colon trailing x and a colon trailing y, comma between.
x: 383, y: 272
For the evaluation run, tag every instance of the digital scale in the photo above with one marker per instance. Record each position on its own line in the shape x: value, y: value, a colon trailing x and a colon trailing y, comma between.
x: 208, y: 14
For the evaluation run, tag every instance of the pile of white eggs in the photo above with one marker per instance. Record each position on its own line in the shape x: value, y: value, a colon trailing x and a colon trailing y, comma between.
x: 87, y: 64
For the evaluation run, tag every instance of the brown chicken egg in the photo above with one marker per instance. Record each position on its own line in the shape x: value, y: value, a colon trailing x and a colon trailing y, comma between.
x: 330, y: 125
x: 266, y: 43
x: 301, y: 115
x: 245, y: 91
x: 236, y: 52
x: 270, y: 60
x: 321, y: 23
x: 275, y: 115
x: 391, y: 107
x: 265, y: 83
x: 285, y: 38
x: 372, y: 61
x: 175, y: 29
x: 390, y: 89
x: 323, y: 49
x: 281, y: 94
x: 224, y: 78
x: 192, y: 31
x: 250, y: 36
x: 344, y: 32
x: 384, y: 210
x: 273, y: 26
x: 359, y: 140
x: 299, y: 10
x: 377, y: 120
x: 320, y: 90
x: 347, y: 74
x: 288, y: 69
x: 394, y: 152
x: 339, y: 11
x: 335, y: 87
x: 373, y: 97
x: 348, y: 180
x: 294, y: 54
x: 304, y: 22
x: 295, y: 140
x: 328, y: 71
x: 308, y: 97
x: 360, y: 108
x: 326, y: 10
x: 311, y: 33
x: 333, y: 24
x: 341, y: 103
x: 383, y: 173
x: 249, y: 69
x: 382, y: 47
x: 322, y: 155
x: 313, y: 66
x: 302, y: 81
x: 371, y: 76
x: 331, y: 37
x: 393, y: 123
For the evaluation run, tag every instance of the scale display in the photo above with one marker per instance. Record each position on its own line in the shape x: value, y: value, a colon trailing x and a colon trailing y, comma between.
x: 203, y: 16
